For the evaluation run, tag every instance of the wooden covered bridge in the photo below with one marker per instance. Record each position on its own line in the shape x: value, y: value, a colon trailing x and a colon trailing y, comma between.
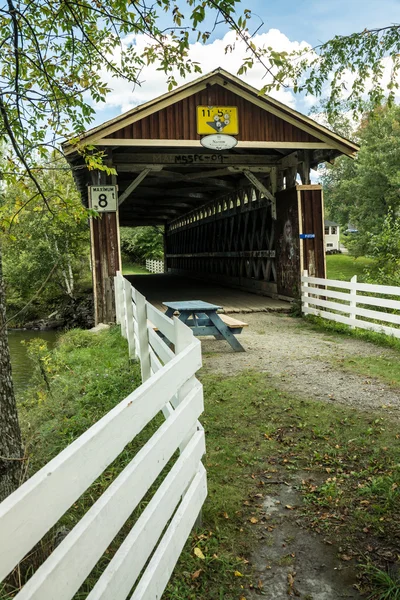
x: 235, y: 216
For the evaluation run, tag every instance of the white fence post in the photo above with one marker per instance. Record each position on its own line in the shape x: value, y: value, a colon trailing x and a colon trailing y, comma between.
x: 117, y: 317
x: 130, y: 332
x: 154, y: 266
x: 143, y: 337
x: 183, y: 338
x: 152, y: 547
x: 304, y: 295
x: 353, y: 300
x: 117, y: 292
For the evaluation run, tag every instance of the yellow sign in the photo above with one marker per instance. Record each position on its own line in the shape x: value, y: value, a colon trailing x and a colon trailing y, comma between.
x: 217, y: 119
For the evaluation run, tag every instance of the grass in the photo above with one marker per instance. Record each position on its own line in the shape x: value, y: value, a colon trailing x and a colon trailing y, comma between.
x: 253, y: 431
x: 386, y: 584
x: 339, y: 329
x: 344, y: 266
x: 385, y: 368
x: 130, y: 268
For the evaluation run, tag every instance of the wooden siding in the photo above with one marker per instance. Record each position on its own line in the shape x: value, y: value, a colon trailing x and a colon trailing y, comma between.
x: 178, y: 121
x: 313, y: 252
x: 105, y: 262
x: 231, y: 237
x: 287, y: 244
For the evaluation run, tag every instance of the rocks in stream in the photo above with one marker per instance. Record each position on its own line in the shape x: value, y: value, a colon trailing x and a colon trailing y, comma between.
x: 75, y: 312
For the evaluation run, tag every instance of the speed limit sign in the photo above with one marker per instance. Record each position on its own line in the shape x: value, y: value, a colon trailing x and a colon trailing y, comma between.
x: 103, y: 198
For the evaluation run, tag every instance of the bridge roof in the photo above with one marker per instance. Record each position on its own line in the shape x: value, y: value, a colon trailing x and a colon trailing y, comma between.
x: 159, y: 139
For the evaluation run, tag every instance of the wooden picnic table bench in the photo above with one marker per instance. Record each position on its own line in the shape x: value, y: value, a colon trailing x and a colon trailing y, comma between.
x: 203, y: 319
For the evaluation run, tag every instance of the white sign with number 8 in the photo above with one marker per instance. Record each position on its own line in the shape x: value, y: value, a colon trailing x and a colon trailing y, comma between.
x: 103, y: 198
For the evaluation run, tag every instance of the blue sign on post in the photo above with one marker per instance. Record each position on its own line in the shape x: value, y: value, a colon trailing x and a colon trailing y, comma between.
x: 307, y: 236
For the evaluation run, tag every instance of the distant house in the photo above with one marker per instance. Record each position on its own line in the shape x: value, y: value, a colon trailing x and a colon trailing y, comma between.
x: 331, y: 236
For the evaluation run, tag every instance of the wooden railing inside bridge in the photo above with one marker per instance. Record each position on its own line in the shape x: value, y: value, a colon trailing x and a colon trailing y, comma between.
x: 147, y: 556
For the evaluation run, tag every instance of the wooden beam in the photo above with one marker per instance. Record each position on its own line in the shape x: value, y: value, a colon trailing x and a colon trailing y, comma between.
x: 241, y: 168
x: 104, y: 241
x: 137, y: 222
x: 133, y: 185
x: 304, y: 167
x: 164, y: 143
x: 260, y: 186
x: 160, y: 202
x: 177, y: 176
x: 291, y: 174
x: 291, y: 160
x: 193, y: 159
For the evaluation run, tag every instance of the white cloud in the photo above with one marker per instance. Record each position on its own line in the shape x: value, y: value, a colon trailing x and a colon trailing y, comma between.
x: 210, y: 56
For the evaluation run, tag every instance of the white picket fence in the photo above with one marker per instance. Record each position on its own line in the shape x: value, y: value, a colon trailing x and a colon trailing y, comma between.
x: 155, y: 266
x: 349, y: 306
x: 156, y: 539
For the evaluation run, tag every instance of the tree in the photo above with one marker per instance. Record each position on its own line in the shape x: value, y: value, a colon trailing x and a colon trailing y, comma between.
x: 351, y: 67
x: 139, y: 243
x: 41, y: 242
x: 56, y: 52
x: 56, y: 55
x: 363, y: 192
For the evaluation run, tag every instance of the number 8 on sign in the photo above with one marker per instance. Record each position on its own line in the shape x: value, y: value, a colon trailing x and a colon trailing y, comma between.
x: 103, y: 198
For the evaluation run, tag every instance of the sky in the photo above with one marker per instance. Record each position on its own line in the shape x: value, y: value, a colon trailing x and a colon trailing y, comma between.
x: 283, y: 24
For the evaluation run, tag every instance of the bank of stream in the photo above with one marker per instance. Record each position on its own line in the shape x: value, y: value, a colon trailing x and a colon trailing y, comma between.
x: 22, y: 366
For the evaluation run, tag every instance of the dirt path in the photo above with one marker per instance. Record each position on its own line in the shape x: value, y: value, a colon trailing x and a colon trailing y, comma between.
x: 290, y: 561
x: 302, y: 361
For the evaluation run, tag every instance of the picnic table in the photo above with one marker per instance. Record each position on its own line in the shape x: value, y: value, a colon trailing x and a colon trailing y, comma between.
x: 203, y: 319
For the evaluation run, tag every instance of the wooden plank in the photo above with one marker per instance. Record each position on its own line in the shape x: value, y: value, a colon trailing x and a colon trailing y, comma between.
x: 327, y: 304
x: 133, y: 185
x: 326, y: 293
x: 231, y: 322
x: 258, y: 184
x: 369, y: 300
x: 194, y: 159
x: 160, y: 568
x: 360, y: 287
x: 377, y: 315
x: 159, y: 346
x: 28, y: 513
x: 161, y: 321
x: 352, y: 322
x: 378, y: 289
x: 70, y: 563
x: 130, y: 327
x: 381, y: 302
x: 125, y: 567
x: 143, y: 348
x: 239, y: 254
x: 337, y: 283
x: 172, y: 143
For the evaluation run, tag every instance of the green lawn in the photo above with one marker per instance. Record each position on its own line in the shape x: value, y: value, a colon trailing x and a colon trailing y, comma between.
x: 129, y: 268
x: 344, y: 266
x: 354, y: 456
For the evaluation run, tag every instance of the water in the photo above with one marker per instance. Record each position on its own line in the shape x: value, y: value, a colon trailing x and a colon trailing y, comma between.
x: 22, y: 366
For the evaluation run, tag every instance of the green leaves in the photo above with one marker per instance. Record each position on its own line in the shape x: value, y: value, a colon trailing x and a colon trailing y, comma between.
x: 345, y: 67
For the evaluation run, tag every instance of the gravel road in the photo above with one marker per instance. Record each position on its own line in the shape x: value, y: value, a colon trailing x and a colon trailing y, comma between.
x: 303, y: 361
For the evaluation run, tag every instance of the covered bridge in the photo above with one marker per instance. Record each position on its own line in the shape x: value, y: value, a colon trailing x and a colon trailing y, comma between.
x: 238, y: 216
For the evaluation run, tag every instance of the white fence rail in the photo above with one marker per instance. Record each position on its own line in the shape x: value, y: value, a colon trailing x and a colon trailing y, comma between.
x: 348, y: 301
x: 155, y: 266
x: 156, y: 539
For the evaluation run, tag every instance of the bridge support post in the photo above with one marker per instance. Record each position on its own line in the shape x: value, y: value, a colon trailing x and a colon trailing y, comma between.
x: 105, y: 252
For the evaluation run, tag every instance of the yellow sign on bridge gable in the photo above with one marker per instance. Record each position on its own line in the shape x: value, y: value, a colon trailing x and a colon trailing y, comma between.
x: 217, y: 119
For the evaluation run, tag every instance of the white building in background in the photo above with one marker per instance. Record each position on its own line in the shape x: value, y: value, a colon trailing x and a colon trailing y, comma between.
x: 331, y: 236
